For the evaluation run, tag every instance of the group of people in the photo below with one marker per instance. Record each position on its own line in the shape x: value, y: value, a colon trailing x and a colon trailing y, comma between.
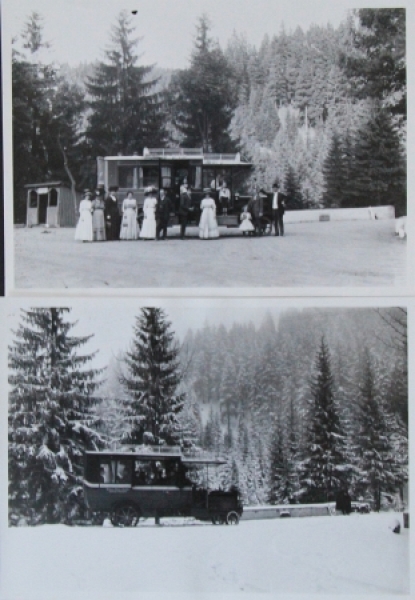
x: 101, y: 220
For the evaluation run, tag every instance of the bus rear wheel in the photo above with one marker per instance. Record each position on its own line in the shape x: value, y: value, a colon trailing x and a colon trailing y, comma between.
x: 125, y: 515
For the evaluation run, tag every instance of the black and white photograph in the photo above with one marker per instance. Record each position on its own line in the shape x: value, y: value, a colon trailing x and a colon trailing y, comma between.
x: 192, y: 134
x: 206, y: 447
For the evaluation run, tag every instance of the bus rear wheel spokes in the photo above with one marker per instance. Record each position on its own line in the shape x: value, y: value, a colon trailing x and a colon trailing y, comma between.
x: 232, y: 518
x: 125, y: 515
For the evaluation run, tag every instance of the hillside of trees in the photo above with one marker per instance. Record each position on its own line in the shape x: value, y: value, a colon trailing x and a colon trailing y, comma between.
x: 299, y: 408
x: 323, y: 110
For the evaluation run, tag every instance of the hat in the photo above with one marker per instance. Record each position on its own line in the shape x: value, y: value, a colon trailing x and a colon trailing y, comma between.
x: 148, y: 190
x: 207, y: 190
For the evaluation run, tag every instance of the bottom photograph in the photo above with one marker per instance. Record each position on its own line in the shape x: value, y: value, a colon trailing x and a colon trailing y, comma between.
x: 205, y: 446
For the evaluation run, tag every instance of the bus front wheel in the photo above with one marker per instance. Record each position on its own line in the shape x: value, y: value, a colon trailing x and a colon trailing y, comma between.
x: 232, y: 518
x: 125, y: 515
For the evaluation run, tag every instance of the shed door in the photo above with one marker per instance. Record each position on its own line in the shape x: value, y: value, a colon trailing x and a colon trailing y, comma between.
x: 43, y: 208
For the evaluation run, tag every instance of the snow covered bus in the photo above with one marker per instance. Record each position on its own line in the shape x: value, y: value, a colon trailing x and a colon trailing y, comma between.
x: 155, y: 482
x: 170, y: 168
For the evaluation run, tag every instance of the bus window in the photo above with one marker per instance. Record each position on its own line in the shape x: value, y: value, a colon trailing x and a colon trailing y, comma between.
x: 223, y: 175
x: 106, y: 471
x: 92, y: 469
x: 125, y: 177
x: 150, y: 176
x: 142, y: 472
x: 209, y: 179
x: 166, y: 177
x: 123, y: 471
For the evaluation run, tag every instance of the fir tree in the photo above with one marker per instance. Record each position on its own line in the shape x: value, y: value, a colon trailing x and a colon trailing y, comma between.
x: 292, y: 189
x: 334, y: 174
x: 376, y: 456
x: 152, y: 379
x: 379, y: 169
x: 126, y: 113
x: 324, y: 469
x: 51, y: 420
x: 202, y: 97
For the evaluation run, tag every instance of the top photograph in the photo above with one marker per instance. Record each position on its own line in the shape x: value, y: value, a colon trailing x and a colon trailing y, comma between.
x: 168, y: 145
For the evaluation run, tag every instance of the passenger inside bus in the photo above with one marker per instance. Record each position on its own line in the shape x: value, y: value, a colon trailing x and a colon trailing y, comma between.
x: 123, y: 472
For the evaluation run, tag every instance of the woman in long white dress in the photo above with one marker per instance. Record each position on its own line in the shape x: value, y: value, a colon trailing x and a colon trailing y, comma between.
x: 129, y: 225
x: 84, y: 231
x: 148, y: 230
x: 208, y: 225
x: 98, y: 220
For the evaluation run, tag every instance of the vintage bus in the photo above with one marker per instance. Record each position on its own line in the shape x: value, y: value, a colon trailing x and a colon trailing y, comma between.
x: 169, y: 167
x: 158, y: 482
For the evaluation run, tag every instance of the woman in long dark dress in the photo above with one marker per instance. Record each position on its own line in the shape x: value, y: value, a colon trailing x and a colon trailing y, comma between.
x: 112, y: 216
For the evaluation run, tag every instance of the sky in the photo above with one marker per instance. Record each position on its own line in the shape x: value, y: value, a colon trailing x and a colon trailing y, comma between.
x: 78, y: 30
x: 111, y: 321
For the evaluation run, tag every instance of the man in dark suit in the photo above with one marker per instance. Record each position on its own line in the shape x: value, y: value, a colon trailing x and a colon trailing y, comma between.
x: 278, y: 209
x: 185, y: 210
x: 256, y: 209
x: 112, y: 216
x: 163, y: 214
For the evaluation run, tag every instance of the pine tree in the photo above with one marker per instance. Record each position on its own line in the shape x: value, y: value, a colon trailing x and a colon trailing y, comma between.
x: 324, y: 469
x: 202, y: 97
x: 152, y: 379
x: 379, y: 169
x: 126, y: 114
x: 336, y: 181
x: 376, y: 456
x: 51, y: 420
x: 292, y: 189
x: 227, y: 401
x: 47, y: 116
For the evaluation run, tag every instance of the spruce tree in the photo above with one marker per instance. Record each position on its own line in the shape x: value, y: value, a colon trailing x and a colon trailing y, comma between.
x: 292, y: 188
x: 334, y: 170
x: 324, y: 468
x: 376, y: 453
x: 152, y: 378
x: 379, y: 169
x: 51, y: 420
x: 126, y: 113
x: 202, y: 97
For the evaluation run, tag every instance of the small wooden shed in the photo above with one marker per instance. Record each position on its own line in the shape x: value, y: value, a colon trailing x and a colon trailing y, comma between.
x: 51, y: 204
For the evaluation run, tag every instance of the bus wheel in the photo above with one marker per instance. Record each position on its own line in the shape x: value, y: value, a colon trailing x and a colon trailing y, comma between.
x: 125, y: 515
x: 232, y: 518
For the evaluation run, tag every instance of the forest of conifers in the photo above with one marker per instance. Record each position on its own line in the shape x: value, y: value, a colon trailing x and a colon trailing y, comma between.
x: 299, y: 407
x: 323, y: 110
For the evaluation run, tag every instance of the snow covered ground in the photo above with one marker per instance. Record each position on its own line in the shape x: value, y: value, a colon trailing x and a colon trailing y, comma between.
x: 344, y: 253
x: 356, y: 554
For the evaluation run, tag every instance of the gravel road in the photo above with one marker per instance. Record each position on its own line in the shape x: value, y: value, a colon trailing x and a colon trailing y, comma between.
x: 348, y: 253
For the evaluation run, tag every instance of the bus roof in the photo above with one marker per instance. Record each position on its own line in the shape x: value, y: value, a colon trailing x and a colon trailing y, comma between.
x: 171, y: 452
x: 180, y: 154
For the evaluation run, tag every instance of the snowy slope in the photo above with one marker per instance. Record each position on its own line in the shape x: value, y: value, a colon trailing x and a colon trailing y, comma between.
x: 358, y: 554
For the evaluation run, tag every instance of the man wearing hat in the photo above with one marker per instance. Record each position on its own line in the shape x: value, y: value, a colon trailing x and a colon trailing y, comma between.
x: 278, y: 209
x: 163, y: 210
x: 185, y: 208
x: 112, y: 215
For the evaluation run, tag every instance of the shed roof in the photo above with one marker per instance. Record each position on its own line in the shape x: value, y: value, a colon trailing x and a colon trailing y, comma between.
x: 48, y: 184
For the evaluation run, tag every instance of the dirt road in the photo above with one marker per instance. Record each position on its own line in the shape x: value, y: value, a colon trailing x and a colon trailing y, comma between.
x: 349, y: 253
